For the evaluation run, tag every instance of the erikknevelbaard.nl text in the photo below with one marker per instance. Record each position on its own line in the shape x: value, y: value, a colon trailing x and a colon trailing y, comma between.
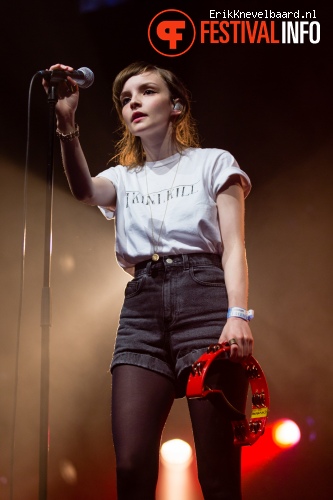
x: 261, y: 14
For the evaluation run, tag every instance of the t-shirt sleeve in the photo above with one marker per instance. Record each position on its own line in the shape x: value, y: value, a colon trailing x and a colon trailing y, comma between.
x: 224, y: 167
x: 112, y: 176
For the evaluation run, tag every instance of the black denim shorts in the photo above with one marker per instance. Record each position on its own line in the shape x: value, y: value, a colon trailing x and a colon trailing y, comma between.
x: 173, y: 310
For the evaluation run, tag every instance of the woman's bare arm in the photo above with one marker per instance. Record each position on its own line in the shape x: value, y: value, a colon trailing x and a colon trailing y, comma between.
x: 90, y: 190
x: 230, y: 203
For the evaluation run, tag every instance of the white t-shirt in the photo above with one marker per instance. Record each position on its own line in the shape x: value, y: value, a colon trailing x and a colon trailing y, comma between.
x: 170, y: 209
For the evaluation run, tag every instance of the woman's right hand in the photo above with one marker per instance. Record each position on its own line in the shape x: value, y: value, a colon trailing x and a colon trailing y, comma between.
x: 68, y: 97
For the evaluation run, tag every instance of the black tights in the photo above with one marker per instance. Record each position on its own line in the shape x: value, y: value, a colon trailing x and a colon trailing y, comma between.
x: 141, y: 402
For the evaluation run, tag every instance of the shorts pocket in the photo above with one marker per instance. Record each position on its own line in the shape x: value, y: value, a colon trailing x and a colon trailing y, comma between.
x: 134, y: 286
x: 208, y: 276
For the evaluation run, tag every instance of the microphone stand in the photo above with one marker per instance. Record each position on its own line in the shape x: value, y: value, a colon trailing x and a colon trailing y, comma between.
x: 46, y: 300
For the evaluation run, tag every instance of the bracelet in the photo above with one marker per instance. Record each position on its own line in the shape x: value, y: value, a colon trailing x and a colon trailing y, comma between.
x: 68, y: 137
x: 239, y: 312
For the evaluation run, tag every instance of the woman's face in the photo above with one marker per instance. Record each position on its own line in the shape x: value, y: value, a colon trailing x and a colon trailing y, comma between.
x: 146, y: 105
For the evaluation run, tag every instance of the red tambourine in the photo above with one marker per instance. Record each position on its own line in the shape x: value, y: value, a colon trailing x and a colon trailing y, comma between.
x: 245, y: 432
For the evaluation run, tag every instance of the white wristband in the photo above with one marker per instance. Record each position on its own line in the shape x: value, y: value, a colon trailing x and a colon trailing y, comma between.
x: 239, y: 312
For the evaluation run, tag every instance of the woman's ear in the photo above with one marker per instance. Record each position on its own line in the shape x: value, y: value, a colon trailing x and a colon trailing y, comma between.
x: 177, y: 107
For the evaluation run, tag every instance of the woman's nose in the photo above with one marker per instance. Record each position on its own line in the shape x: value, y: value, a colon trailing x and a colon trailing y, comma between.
x: 135, y: 102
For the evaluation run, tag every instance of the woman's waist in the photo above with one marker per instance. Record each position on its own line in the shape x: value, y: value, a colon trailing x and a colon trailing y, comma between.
x: 184, y: 260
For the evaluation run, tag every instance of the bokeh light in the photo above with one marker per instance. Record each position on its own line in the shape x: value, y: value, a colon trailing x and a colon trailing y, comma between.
x: 176, y: 452
x: 286, y: 433
x: 68, y: 471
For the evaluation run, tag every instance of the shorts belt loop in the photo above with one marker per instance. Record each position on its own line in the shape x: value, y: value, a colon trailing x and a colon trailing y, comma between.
x: 148, y: 266
x: 186, y: 262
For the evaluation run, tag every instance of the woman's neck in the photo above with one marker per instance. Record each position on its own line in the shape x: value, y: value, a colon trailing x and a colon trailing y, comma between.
x: 159, y: 150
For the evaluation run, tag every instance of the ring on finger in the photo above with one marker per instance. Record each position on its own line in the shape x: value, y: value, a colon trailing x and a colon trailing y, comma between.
x: 232, y: 341
x: 71, y: 88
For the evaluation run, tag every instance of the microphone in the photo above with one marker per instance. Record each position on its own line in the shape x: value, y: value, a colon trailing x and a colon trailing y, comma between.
x: 84, y: 77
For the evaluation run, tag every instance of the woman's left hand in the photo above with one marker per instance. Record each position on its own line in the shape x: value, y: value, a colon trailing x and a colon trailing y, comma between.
x: 238, y: 330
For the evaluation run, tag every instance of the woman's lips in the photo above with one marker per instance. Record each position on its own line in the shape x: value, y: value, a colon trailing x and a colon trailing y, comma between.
x: 137, y: 116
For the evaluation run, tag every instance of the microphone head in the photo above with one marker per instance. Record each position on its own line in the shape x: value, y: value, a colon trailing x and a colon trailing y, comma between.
x: 87, y: 78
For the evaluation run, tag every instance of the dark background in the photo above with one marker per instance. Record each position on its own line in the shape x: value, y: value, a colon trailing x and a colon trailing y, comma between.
x: 270, y: 105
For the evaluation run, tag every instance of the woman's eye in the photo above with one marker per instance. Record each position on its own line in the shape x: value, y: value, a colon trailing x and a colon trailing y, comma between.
x: 149, y: 91
x: 125, y: 101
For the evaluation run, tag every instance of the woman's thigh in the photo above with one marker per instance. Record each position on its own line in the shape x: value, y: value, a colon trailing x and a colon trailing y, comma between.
x: 217, y: 456
x: 141, y: 402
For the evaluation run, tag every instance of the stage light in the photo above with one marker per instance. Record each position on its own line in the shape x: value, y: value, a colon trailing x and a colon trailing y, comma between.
x: 176, y: 452
x: 286, y: 433
x: 176, y: 477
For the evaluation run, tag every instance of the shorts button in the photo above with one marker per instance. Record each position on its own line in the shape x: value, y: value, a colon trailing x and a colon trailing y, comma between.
x: 169, y: 261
